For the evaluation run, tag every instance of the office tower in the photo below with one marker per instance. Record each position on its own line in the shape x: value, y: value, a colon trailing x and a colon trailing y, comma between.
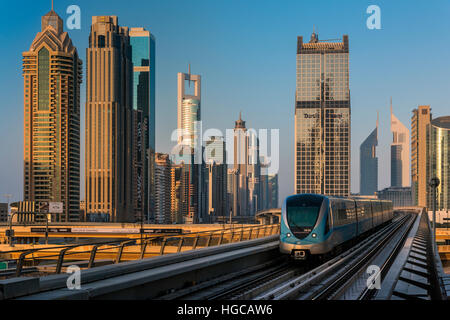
x: 176, y: 194
x: 400, y: 174
x: 233, y: 192
x: 438, y: 161
x: 189, y: 116
x: 109, y: 122
x: 420, y: 120
x: 255, y: 200
x: 163, y: 189
x: 322, y: 117
x: 368, y: 161
x: 143, y: 57
x: 265, y: 198
x: 189, y: 108
x: 240, y: 167
x: 52, y: 74
x: 273, y: 190
x: 215, y: 159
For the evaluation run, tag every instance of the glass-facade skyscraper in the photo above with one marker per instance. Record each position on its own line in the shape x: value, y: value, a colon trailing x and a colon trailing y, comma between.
x: 369, y: 164
x: 438, y: 156
x: 143, y: 57
x: 322, y: 117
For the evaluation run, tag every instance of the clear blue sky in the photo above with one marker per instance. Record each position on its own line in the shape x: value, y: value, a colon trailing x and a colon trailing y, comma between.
x: 245, y: 51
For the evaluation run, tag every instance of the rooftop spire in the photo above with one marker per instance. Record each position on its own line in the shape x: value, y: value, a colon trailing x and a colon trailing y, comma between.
x: 52, y: 5
x: 240, y: 123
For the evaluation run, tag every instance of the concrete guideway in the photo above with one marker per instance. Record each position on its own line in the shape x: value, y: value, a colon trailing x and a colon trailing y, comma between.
x: 148, y: 278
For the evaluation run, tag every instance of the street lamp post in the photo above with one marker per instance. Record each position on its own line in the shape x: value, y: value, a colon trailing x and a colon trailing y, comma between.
x: 10, y: 236
x: 434, y: 184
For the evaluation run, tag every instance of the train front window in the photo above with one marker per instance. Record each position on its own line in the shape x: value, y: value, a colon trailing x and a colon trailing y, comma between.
x: 302, y: 213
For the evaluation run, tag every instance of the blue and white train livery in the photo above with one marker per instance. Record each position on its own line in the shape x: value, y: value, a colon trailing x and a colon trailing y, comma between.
x: 316, y: 225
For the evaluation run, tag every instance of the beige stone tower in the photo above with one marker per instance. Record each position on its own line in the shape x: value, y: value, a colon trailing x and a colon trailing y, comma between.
x: 420, y: 120
x: 108, y: 122
x: 52, y: 78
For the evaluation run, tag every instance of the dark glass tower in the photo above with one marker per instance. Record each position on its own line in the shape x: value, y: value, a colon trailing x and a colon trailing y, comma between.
x: 143, y: 57
x: 369, y: 164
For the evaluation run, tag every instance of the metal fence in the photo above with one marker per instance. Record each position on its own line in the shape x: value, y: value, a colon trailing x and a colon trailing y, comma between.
x: 137, y: 248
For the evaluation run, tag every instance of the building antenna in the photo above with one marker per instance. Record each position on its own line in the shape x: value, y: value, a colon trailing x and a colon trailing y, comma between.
x: 391, y: 105
x: 189, y: 72
x: 378, y: 121
x: 52, y: 5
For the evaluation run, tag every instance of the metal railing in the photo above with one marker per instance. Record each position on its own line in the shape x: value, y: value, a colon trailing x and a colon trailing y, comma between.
x: 167, y: 244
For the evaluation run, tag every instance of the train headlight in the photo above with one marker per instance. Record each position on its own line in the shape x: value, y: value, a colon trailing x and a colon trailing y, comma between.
x: 288, y: 234
x: 314, y: 235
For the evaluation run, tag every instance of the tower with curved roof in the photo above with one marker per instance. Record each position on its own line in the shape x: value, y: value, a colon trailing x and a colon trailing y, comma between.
x: 52, y: 73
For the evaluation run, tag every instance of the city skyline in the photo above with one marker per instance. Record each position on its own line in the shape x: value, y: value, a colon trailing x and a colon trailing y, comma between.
x: 212, y: 111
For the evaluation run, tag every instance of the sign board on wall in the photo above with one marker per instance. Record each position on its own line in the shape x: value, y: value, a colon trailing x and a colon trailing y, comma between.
x: 55, y: 207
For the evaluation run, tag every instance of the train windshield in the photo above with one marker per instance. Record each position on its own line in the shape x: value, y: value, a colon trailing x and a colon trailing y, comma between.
x: 302, y: 213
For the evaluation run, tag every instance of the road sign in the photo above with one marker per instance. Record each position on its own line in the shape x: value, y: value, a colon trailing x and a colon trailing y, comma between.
x: 43, y: 207
x: 55, y: 207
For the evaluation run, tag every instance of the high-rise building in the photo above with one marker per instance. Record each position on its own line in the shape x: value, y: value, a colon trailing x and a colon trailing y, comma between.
x: 400, y: 174
x: 52, y: 74
x: 177, y: 207
x: 189, y: 116
x: 273, y: 191
x: 233, y: 192
x: 215, y: 157
x: 240, y: 189
x: 255, y: 198
x: 109, y: 161
x: 163, y: 205
x: 438, y: 161
x: 143, y: 57
x: 189, y: 108
x: 322, y: 117
x: 420, y: 120
x: 368, y: 162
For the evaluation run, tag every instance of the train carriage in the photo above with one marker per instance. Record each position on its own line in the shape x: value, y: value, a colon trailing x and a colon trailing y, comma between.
x: 315, y: 225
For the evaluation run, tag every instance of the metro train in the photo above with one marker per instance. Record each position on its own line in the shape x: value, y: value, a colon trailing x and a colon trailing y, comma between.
x: 316, y: 226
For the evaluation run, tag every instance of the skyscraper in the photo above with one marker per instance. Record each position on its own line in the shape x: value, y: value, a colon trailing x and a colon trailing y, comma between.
x: 420, y: 120
x: 400, y: 174
x: 189, y: 107
x: 438, y: 160
x: 322, y: 117
x: 189, y: 116
x: 240, y: 169
x: 52, y: 75
x: 273, y: 191
x: 215, y: 158
x: 163, y: 179
x: 369, y: 164
x: 109, y: 192
x: 143, y: 57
